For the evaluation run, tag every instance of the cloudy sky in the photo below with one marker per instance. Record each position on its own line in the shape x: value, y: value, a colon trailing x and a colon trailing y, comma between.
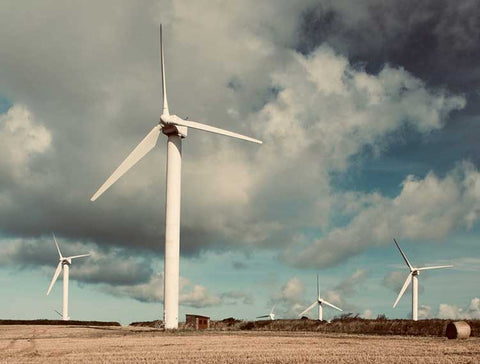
x: 369, y: 113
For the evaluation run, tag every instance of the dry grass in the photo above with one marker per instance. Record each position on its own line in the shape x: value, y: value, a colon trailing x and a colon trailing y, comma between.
x: 42, y: 344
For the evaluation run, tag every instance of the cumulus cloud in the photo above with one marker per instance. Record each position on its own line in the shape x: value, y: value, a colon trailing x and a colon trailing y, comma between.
x: 428, y: 208
x: 347, y: 288
x: 191, y: 294
x: 314, y: 111
x: 453, y: 312
x: 424, y: 311
x: 21, y: 138
x: 107, y: 266
x: 367, y: 314
x: 289, y: 301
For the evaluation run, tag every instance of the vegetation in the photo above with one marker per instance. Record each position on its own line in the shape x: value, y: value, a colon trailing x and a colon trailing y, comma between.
x: 59, y: 322
x: 349, y: 324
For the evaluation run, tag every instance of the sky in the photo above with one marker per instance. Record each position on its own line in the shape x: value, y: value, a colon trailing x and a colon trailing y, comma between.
x: 369, y: 113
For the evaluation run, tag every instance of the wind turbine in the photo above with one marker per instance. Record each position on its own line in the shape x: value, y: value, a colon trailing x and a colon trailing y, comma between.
x: 320, y: 302
x: 271, y: 314
x: 64, y: 262
x: 413, y: 276
x: 175, y: 128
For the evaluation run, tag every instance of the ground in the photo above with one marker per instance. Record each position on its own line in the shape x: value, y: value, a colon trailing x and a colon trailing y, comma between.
x: 50, y: 344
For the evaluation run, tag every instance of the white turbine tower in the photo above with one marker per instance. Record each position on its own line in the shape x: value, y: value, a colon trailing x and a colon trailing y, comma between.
x: 320, y: 302
x: 271, y: 315
x: 413, y: 277
x: 64, y: 262
x: 175, y: 129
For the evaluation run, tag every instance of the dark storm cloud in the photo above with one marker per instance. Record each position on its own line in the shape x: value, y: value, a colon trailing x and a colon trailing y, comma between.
x: 90, y: 84
x: 111, y: 266
x: 436, y: 40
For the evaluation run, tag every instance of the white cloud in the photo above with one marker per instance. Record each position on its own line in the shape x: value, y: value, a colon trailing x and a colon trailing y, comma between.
x: 21, y: 138
x: 429, y: 209
x: 472, y: 312
x: 424, y: 312
x: 289, y: 301
x: 347, y: 288
x: 367, y: 314
x: 314, y: 113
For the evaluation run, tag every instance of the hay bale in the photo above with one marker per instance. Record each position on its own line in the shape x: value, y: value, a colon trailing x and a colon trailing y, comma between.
x: 458, y: 330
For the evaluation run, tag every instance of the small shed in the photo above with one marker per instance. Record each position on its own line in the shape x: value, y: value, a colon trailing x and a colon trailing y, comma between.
x: 197, y: 322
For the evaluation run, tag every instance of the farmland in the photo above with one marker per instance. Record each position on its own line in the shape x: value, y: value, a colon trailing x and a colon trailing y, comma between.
x: 69, y: 344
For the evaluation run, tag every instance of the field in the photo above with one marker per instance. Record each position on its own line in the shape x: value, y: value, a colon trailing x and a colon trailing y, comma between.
x: 73, y: 344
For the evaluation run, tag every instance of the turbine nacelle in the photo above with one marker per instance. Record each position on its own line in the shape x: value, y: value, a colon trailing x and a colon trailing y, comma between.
x: 169, y: 126
x: 67, y: 261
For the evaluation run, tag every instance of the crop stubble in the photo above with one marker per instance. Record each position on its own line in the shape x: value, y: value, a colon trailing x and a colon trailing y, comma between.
x: 42, y: 344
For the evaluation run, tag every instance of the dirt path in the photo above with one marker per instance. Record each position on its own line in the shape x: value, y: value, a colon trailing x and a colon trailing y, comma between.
x: 53, y: 344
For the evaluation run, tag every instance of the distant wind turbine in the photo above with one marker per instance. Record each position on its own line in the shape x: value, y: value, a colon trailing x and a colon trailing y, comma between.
x: 175, y: 128
x: 65, y: 263
x: 271, y: 314
x: 413, y: 276
x: 320, y: 302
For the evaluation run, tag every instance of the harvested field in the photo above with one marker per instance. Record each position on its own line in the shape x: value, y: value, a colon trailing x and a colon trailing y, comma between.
x: 41, y: 344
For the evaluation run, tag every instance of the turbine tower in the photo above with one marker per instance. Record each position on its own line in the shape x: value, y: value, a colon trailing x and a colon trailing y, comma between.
x: 64, y: 262
x: 271, y: 314
x: 320, y: 302
x: 413, y: 277
x: 175, y: 128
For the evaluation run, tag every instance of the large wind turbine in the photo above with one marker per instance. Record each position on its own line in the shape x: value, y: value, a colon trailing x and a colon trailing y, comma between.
x: 271, y: 315
x: 175, y: 129
x: 320, y: 302
x: 64, y: 262
x: 413, y: 276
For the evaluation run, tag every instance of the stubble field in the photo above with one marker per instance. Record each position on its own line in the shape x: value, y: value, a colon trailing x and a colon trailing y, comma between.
x: 42, y: 344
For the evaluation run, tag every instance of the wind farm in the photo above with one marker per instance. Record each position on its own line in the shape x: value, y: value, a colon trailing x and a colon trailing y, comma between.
x: 202, y: 164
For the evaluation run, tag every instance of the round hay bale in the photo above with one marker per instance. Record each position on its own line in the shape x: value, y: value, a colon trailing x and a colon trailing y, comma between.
x: 458, y: 330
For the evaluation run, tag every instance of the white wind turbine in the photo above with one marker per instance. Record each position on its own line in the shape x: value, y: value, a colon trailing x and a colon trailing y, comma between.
x: 413, y: 277
x: 175, y: 129
x: 64, y: 262
x: 271, y: 314
x: 320, y: 302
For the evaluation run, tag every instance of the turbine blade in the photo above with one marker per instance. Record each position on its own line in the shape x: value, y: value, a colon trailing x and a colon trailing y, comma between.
x: 164, y: 82
x: 333, y: 306
x: 56, y: 244
x: 318, y: 289
x: 403, y: 255
x: 264, y: 316
x: 138, y: 153
x: 436, y: 267
x: 405, y: 285
x: 55, y: 276
x: 211, y: 129
x: 309, y: 308
x: 271, y: 312
x: 79, y: 256
x: 59, y: 313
